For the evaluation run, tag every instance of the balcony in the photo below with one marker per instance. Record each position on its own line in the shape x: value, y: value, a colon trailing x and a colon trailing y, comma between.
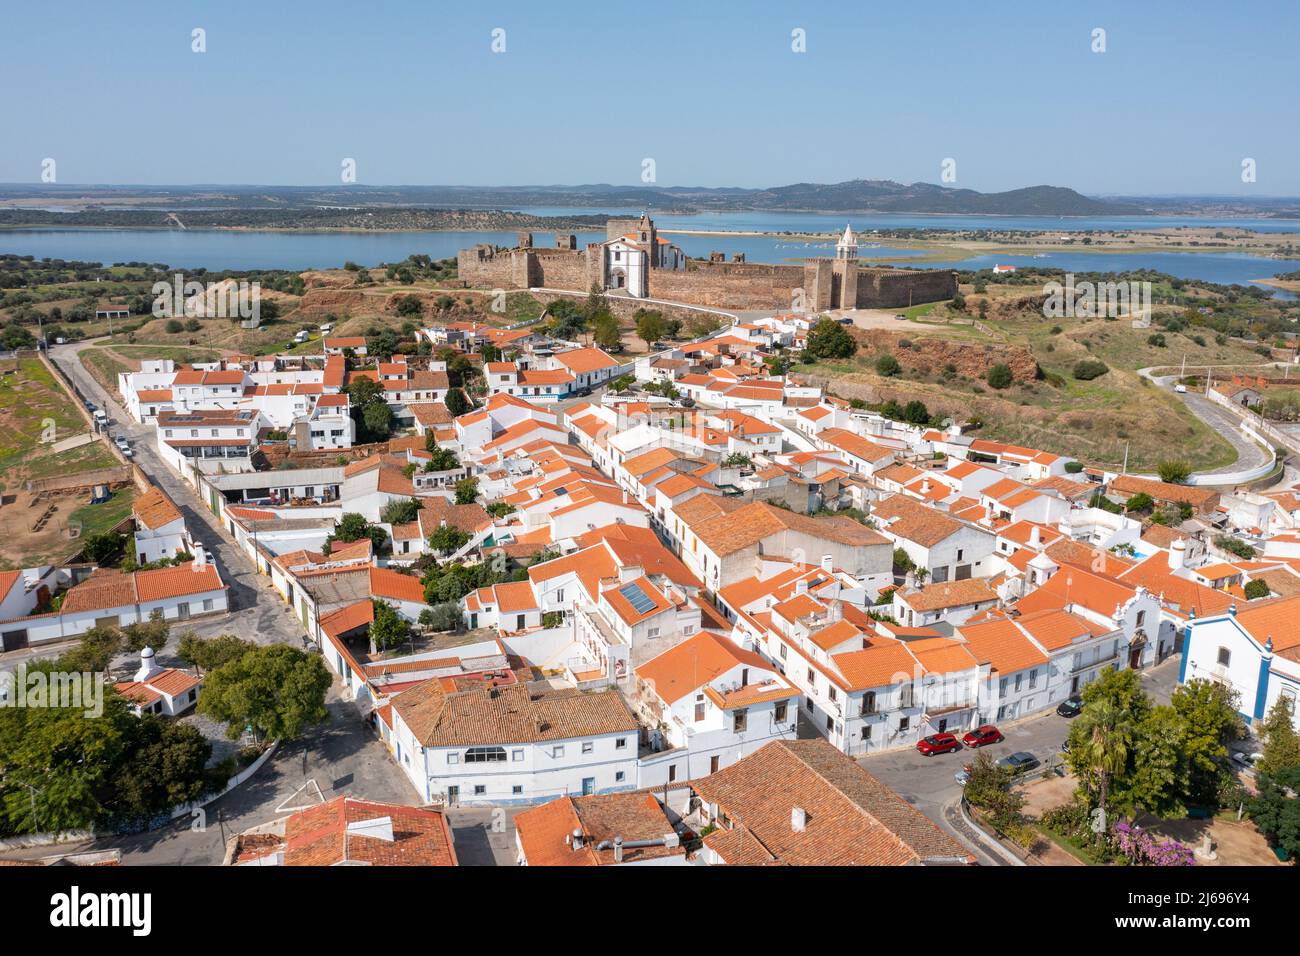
x: 1088, y: 665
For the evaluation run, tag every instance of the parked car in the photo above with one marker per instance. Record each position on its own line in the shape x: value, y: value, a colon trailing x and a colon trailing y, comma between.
x: 1070, y: 707
x: 1019, y: 762
x: 982, y: 736
x: 938, y: 744
x: 1247, y: 758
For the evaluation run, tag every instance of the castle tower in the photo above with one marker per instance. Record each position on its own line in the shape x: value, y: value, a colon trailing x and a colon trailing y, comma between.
x: 648, y: 237
x: 847, y: 247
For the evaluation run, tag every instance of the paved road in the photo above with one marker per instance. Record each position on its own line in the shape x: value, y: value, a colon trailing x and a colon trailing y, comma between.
x: 1249, y: 454
x: 928, y: 783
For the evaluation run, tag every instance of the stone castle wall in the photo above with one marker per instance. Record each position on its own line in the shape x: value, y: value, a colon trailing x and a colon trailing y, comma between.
x: 725, y: 285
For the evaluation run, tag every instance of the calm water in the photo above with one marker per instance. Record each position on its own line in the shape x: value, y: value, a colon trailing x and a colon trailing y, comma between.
x: 216, y: 249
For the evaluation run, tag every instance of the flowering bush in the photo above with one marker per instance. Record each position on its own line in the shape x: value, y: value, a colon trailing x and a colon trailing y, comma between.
x: 1142, y: 849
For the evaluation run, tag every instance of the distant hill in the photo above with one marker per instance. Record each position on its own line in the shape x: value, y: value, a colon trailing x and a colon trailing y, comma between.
x: 857, y: 195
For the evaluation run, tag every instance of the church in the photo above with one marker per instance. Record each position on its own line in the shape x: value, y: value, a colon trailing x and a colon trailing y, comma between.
x: 632, y: 249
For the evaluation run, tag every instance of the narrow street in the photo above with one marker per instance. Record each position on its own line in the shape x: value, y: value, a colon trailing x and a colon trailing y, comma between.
x: 343, y: 756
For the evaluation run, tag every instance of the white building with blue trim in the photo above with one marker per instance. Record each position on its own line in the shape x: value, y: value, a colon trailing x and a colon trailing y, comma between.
x: 1255, y: 651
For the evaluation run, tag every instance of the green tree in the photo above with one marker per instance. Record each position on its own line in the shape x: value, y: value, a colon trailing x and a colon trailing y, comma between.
x: 888, y: 366
x: 466, y: 491
x: 830, y: 339
x: 456, y: 402
x: 400, y: 511
x: 1209, y: 711
x: 448, y: 539
x: 164, y: 768
x: 606, y: 333
x: 1275, y: 809
x: 989, y: 788
x: 1257, y: 589
x: 389, y: 629
x: 275, y: 691
x: 363, y: 391
x: 207, y: 654
x: 650, y: 326
x: 1099, y: 746
x: 377, y: 422
x: 1281, y: 742
x: 1158, y: 782
x: 1140, y: 502
x: 999, y: 376
x: 104, y: 547
x: 1174, y: 471
x: 95, y: 652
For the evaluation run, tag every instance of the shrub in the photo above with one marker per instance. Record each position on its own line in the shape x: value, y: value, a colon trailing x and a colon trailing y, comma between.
x: 1174, y: 471
x: 999, y: 376
x: 1088, y: 369
x: 888, y: 366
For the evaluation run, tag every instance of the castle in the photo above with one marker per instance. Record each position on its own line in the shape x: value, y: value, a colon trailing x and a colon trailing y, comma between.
x: 634, y: 260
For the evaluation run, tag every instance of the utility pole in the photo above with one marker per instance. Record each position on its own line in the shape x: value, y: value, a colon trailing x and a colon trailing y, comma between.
x: 1124, y: 470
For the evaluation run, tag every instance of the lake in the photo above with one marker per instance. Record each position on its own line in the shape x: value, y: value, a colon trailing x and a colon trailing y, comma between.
x: 223, y: 249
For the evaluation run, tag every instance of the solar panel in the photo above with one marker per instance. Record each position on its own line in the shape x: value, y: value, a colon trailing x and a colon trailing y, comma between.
x: 640, y: 601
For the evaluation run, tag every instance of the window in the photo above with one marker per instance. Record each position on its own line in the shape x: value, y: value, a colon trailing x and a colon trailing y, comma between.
x: 453, y: 758
x: 619, y: 776
x: 782, y: 651
x: 1002, y: 688
x: 869, y: 703
x: 517, y: 789
x: 1033, y: 678
x: 485, y: 755
x: 778, y: 712
x: 830, y: 690
x: 620, y: 743
x: 557, y: 751
x: 906, y: 696
x: 960, y: 552
x: 672, y: 772
x: 517, y: 755
x: 588, y: 746
x: 904, y: 723
x: 1018, y: 679
x: 479, y: 789
x: 866, y: 731
x: 1141, y: 618
x: 699, y: 711
x: 830, y: 724
x: 739, y: 720
x: 1225, y: 657
x: 652, y: 632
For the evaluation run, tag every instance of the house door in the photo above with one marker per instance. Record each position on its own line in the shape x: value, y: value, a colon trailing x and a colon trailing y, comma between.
x: 1074, y: 685
x: 183, y: 611
x: 453, y: 796
x: 588, y: 786
x: 1135, y: 657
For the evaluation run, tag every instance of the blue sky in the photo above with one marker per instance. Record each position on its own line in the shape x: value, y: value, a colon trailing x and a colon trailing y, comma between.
x: 709, y: 89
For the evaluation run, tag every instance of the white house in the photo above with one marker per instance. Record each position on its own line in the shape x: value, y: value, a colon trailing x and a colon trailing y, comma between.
x: 513, y: 743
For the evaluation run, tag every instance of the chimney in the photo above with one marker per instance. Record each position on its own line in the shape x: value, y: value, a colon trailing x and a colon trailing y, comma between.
x: 801, y: 586
x: 925, y: 486
x: 148, y: 666
x: 827, y: 564
x: 834, y: 611
x: 1035, y: 539
x: 1177, y: 555
x: 577, y: 839
x: 798, y: 819
x: 618, y: 849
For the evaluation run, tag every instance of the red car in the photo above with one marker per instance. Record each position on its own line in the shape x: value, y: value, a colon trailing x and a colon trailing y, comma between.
x: 988, y: 734
x: 938, y: 744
